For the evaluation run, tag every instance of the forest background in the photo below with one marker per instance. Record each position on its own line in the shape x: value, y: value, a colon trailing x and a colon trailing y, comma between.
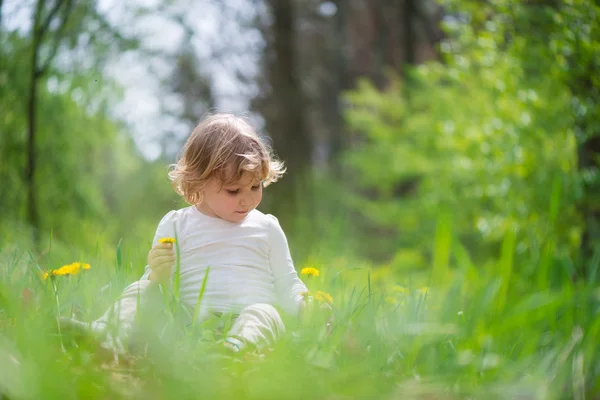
x: 419, y: 136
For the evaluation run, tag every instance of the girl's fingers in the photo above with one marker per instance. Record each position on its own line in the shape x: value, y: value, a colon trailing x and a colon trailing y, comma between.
x: 163, y: 269
x: 161, y: 260
x: 168, y: 259
x: 162, y: 253
x: 162, y: 249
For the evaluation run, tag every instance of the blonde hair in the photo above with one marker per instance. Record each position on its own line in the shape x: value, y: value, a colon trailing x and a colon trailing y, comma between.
x: 222, y: 146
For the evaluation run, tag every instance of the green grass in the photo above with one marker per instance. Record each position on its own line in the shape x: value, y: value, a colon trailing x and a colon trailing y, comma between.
x: 475, y: 333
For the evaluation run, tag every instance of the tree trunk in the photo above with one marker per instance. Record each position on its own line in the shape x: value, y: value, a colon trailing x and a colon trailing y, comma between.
x: 295, y: 143
x: 381, y: 44
x: 287, y: 124
x: 588, y: 155
x: 41, y: 26
x: 409, y: 14
x: 32, y: 211
x: 341, y: 83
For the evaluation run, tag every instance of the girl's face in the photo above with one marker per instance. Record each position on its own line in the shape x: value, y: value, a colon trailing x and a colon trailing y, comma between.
x: 231, y: 203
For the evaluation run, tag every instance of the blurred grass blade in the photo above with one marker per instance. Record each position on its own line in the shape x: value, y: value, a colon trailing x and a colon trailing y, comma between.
x: 555, y: 198
x: 119, y: 255
x: 177, y: 276
x: 463, y: 259
x: 441, y: 250
x: 505, y: 267
x: 50, y: 240
x: 369, y: 284
x: 544, y: 279
x: 200, y: 297
x: 593, y: 266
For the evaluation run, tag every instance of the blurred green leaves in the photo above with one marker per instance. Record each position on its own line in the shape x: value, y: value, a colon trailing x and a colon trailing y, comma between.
x: 488, y: 133
x: 90, y: 179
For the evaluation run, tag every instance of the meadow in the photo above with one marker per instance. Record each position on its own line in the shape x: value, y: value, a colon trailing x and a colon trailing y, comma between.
x: 460, y: 332
x: 447, y: 192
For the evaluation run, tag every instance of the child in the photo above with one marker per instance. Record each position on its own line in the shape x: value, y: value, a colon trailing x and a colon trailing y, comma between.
x: 221, y: 174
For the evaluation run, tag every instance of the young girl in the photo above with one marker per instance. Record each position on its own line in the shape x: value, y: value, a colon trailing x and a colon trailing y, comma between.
x: 222, y: 173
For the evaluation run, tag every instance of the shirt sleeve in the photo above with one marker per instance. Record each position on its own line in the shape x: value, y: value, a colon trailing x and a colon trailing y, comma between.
x: 166, y: 228
x: 289, y: 288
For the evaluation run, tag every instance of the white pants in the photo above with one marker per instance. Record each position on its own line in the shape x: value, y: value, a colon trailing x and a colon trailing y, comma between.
x: 257, y: 325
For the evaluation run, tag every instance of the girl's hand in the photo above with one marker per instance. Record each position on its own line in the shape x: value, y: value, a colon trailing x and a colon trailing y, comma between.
x: 161, y: 260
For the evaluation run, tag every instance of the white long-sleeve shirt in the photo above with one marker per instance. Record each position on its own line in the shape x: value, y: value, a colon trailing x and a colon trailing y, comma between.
x: 249, y: 262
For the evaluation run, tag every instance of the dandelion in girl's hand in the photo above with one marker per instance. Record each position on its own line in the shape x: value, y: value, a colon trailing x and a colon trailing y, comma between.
x: 310, y: 271
x: 166, y: 240
x: 323, y: 297
x: 68, y: 269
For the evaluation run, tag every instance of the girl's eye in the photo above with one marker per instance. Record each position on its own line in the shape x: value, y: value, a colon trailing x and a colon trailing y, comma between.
x: 236, y: 191
x: 256, y: 187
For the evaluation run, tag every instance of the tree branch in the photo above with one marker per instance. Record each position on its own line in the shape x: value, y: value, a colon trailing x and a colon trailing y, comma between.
x: 67, y: 11
x: 432, y: 30
x: 43, y: 27
x: 128, y: 42
x: 1, y: 3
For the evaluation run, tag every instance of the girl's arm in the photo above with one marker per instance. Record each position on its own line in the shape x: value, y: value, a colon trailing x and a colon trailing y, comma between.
x: 289, y: 288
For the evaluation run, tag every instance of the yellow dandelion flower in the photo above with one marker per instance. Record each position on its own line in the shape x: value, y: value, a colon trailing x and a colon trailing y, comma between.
x: 323, y: 297
x: 80, y: 265
x: 391, y: 300
x: 310, y: 271
x: 68, y: 269
x: 166, y: 240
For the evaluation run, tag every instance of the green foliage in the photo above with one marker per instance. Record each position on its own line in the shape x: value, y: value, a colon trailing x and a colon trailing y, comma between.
x: 92, y: 184
x: 487, y: 136
x: 390, y: 338
x: 467, y: 171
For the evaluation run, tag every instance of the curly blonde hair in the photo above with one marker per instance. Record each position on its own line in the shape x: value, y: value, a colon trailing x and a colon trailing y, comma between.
x: 222, y: 146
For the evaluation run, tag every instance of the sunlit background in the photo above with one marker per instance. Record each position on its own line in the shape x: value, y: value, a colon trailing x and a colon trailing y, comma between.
x: 426, y: 142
